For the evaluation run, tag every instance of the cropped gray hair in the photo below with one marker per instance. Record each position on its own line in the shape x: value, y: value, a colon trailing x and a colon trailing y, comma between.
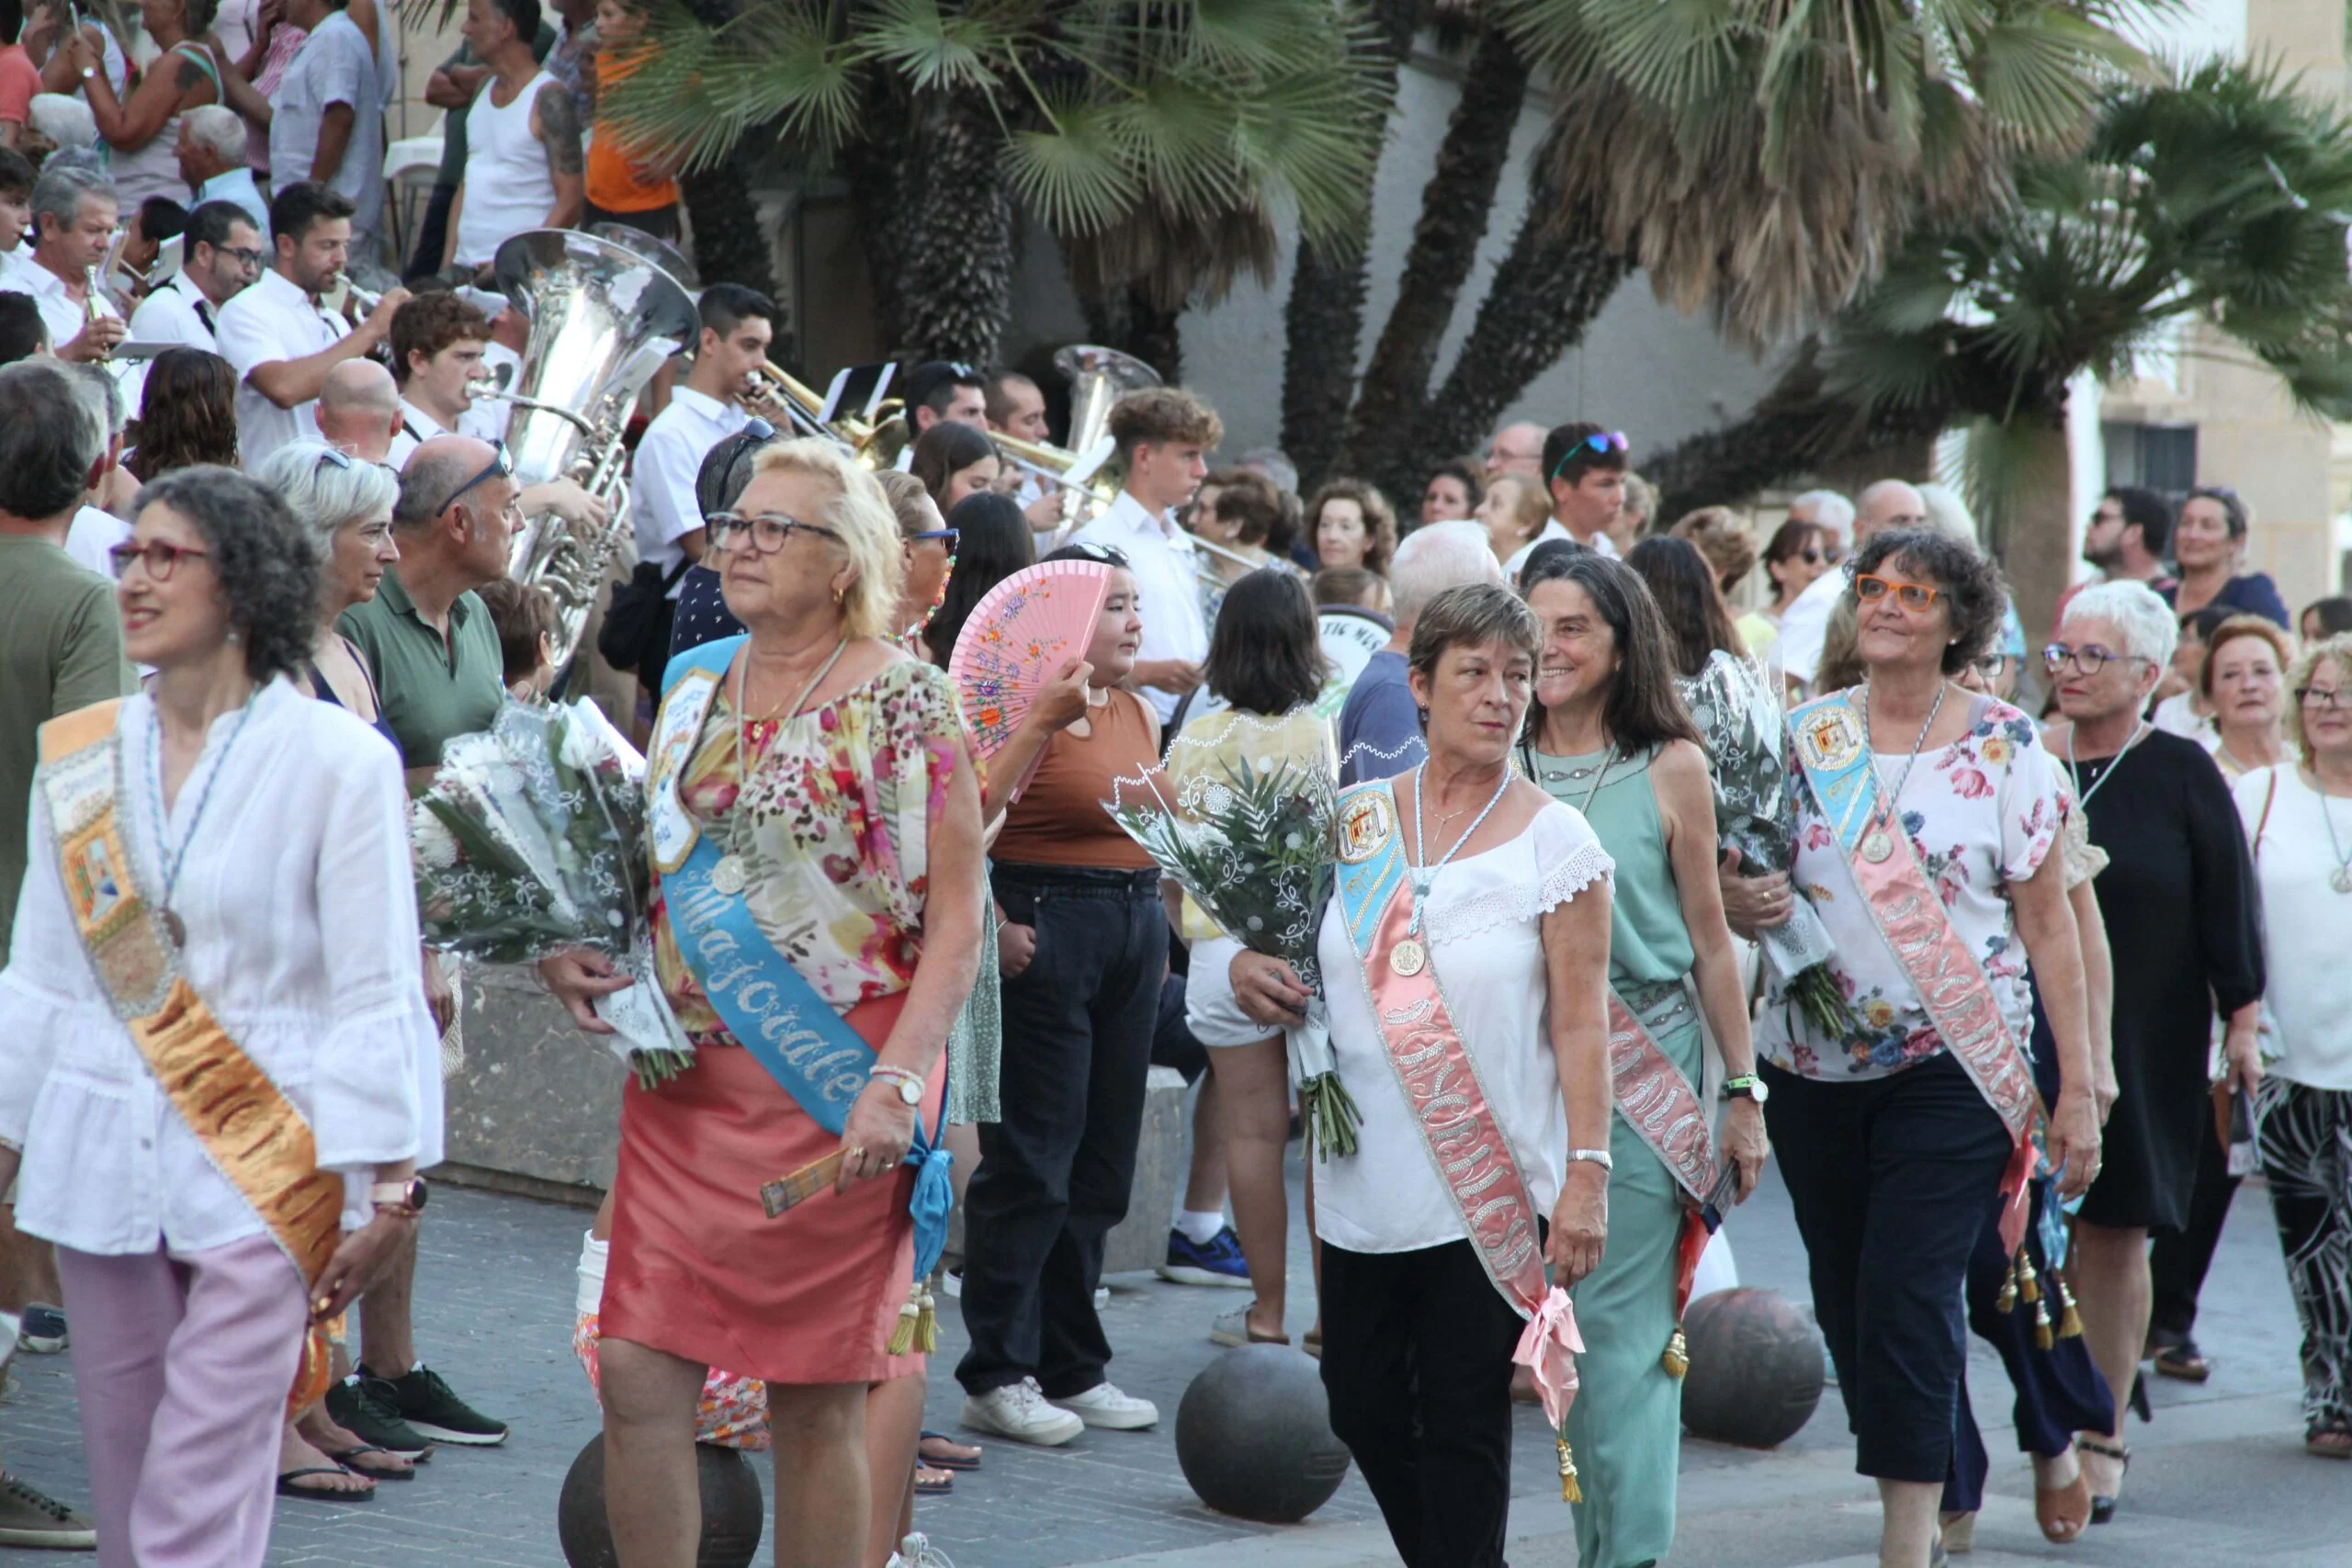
x: 50, y: 440
x: 1830, y: 509
x: 1948, y: 515
x: 2149, y: 627
x: 1438, y: 556
x: 102, y: 395
x: 218, y: 131
x: 327, y: 490
x: 63, y: 185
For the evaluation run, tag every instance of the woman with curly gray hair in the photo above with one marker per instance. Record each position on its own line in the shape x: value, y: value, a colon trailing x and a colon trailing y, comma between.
x: 342, y: 506
x: 232, y: 1107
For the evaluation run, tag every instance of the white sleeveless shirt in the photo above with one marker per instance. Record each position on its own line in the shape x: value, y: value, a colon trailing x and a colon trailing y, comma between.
x: 508, y: 186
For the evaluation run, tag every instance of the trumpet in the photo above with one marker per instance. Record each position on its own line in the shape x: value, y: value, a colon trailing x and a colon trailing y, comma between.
x: 872, y: 445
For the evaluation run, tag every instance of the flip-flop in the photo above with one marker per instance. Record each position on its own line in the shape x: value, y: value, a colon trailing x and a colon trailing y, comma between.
x: 350, y: 1458
x: 941, y: 1486
x: 948, y: 1461
x: 286, y: 1487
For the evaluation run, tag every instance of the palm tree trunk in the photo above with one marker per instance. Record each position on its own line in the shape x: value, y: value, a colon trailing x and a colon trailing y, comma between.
x: 1551, y: 285
x: 1323, y: 321
x: 880, y: 167
x: 728, y: 241
x: 2036, y: 524
x: 1455, y: 208
x: 1130, y: 321
x: 956, y: 299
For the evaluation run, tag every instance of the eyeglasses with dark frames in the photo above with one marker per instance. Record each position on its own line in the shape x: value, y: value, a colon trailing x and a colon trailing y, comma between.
x: 945, y: 536
x: 2087, y: 660
x: 767, y: 533
x: 160, y: 558
x: 2324, y: 698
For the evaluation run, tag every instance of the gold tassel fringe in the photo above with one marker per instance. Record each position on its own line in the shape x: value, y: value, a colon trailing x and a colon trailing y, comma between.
x: 2029, y: 1282
x: 902, y: 1334
x: 926, y: 1324
x: 2042, y: 1338
x: 1677, y: 1356
x: 2008, y: 1300
x: 2070, y: 1321
x: 1569, y: 1491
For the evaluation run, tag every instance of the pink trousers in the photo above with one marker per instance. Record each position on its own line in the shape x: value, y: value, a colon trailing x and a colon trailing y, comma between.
x: 182, y: 1360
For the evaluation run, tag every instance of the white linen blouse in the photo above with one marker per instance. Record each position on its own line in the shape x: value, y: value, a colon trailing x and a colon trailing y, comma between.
x: 2307, y: 924
x: 1482, y: 927
x: 301, y: 937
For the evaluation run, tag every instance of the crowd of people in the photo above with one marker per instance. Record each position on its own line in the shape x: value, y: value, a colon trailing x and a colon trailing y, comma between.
x: 297, y: 520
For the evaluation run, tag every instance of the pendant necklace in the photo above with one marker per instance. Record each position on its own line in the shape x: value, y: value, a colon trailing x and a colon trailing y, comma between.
x: 2075, y: 777
x: 2342, y: 878
x: 1410, y: 956
x: 733, y: 872
x: 173, y: 925
x: 1878, y: 843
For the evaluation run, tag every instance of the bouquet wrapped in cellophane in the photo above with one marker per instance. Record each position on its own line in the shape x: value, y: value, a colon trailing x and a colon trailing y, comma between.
x: 531, y: 839
x: 1746, y: 733
x: 1241, y: 816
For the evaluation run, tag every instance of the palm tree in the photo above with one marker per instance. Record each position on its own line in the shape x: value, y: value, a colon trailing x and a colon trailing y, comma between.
x: 1756, y: 160
x: 1117, y: 126
x: 2220, y: 199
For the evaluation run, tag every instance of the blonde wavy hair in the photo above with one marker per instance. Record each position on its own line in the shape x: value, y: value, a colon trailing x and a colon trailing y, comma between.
x: 2335, y: 650
x: 860, y: 514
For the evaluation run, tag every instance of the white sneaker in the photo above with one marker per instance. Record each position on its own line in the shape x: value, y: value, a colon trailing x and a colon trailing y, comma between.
x: 916, y: 1552
x: 1019, y: 1411
x: 1105, y: 1405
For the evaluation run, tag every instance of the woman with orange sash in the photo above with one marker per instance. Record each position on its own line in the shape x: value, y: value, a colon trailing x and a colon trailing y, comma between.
x: 1465, y: 962
x: 1608, y: 735
x: 1926, y: 819
x: 231, y: 1106
x: 815, y: 832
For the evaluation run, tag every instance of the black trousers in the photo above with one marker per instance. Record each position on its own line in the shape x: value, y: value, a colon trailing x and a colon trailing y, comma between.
x: 1891, y: 1179
x: 1417, y: 1361
x: 432, y: 235
x: 1055, y: 1169
x: 2178, y: 1261
x: 661, y: 222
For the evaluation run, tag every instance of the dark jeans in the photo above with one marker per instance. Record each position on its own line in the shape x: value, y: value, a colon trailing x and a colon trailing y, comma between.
x: 2177, y: 1260
x: 1416, y: 1352
x: 1055, y: 1171
x: 661, y: 222
x: 1891, y: 1179
x: 432, y: 235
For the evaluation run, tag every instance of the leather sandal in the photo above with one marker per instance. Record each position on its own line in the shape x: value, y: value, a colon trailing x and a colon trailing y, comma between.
x: 2065, y: 1512
x: 2182, y: 1359
x: 2103, y: 1508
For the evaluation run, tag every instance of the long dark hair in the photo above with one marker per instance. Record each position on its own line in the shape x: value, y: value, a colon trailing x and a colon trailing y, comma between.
x: 1266, y: 656
x: 1684, y: 584
x: 1643, y: 710
x: 187, y: 414
x: 992, y: 542
x: 946, y: 450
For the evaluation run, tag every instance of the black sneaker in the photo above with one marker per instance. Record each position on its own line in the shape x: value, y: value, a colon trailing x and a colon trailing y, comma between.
x: 32, y: 1517
x: 365, y: 1406
x: 43, y: 1331
x: 430, y: 1406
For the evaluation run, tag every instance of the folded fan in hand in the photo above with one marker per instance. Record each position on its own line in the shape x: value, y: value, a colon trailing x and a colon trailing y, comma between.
x: 1020, y: 636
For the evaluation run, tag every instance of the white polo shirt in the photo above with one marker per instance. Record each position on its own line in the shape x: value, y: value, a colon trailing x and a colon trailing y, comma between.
x: 273, y: 322
x: 1162, y: 557
x: 177, y: 312
x: 662, y: 482
x: 61, y: 314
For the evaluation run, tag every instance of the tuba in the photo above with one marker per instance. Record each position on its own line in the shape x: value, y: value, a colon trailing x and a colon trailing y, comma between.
x: 604, y: 318
x: 1098, y: 378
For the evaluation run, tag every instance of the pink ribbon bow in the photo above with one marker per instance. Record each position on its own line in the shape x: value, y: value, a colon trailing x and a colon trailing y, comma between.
x: 1547, y: 1347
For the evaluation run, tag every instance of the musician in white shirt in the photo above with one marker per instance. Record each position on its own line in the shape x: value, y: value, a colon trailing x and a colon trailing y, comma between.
x: 438, y: 342
x: 223, y: 258
x: 74, y: 215
x: 1165, y: 435
x: 275, y: 333
x: 738, y: 325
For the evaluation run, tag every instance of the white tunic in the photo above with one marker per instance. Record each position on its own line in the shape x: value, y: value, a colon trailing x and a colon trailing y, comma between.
x: 305, y: 833
x: 1482, y: 929
x: 2307, y: 924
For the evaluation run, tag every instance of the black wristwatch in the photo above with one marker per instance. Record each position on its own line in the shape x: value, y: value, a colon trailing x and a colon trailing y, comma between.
x: 400, y: 1197
x: 1747, y: 1087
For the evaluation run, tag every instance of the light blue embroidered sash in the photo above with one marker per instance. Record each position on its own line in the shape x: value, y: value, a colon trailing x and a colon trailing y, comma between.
x: 812, y: 1053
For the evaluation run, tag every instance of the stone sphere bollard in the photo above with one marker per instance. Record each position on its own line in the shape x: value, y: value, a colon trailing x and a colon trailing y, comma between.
x: 1254, y: 1435
x: 1757, y: 1367
x: 734, y: 1511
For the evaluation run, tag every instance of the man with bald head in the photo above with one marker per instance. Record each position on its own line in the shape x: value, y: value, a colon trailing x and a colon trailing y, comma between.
x: 360, y: 410
x: 1518, y: 450
x: 1889, y: 504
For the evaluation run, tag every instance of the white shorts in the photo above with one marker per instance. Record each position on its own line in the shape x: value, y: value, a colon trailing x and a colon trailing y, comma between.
x: 1210, y: 1011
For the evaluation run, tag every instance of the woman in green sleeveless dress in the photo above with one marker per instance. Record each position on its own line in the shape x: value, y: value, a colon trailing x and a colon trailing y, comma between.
x: 1608, y: 735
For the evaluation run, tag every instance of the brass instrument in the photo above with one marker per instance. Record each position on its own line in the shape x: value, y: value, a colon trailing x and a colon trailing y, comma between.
x: 93, y: 303
x: 1098, y: 378
x: 604, y: 319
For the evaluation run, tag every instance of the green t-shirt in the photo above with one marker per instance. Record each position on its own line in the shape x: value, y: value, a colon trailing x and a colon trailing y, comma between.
x: 433, y: 688
x: 61, y: 649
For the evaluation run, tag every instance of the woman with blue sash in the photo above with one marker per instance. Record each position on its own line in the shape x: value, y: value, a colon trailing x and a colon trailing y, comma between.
x: 1608, y: 735
x: 815, y: 833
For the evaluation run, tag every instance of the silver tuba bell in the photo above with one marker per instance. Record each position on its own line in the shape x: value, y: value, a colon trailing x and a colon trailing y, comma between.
x: 604, y: 319
x: 1098, y: 378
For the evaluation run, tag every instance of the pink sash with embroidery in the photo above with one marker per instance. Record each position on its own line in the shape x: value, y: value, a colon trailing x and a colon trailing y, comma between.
x: 1658, y: 1102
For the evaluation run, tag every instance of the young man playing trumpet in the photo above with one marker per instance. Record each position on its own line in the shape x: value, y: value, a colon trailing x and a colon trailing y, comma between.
x: 709, y: 406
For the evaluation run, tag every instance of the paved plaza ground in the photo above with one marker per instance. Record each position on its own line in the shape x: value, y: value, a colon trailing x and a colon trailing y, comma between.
x: 2219, y: 1478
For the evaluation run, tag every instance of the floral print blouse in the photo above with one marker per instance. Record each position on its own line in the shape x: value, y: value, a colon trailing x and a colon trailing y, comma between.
x: 835, y: 824
x: 1980, y: 813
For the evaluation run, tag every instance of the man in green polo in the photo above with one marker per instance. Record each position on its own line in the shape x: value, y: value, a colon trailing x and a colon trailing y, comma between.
x: 427, y: 635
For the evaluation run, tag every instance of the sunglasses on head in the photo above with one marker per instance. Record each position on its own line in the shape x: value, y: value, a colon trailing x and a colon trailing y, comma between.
x: 1599, y: 444
x: 501, y: 466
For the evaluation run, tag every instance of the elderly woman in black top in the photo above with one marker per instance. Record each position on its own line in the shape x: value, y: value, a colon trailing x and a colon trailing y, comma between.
x: 2177, y: 895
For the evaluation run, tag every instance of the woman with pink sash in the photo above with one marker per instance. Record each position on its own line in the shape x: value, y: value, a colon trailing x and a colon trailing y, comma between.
x: 1465, y: 956
x: 1608, y: 735
x: 1927, y: 819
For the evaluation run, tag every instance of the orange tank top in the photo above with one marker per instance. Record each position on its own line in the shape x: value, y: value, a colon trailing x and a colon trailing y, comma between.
x: 1059, y: 818
x: 614, y: 183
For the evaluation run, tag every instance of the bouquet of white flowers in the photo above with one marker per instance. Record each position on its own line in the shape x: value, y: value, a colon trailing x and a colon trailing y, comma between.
x: 531, y: 839
x: 1242, y: 819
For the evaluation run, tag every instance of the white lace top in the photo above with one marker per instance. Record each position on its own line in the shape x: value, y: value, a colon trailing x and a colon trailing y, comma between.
x: 1482, y: 928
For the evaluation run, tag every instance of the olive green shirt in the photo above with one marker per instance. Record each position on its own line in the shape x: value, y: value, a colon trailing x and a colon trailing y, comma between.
x: 61, y: 649
x: 432, y: 687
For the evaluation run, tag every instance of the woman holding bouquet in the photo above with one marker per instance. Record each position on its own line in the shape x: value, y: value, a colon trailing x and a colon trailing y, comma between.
x: 226, y: 826
x: 1608, y: 735
x: 815, y: 828
x: 1466, y: 943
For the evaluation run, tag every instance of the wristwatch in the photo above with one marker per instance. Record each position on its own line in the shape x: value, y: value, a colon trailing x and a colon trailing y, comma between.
x: 1747, y: 1087
x: 403, y: 1197
x: 910, y: 1085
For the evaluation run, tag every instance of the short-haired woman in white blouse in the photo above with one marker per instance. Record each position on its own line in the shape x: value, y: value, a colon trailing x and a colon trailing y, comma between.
x: 1476, y: 910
